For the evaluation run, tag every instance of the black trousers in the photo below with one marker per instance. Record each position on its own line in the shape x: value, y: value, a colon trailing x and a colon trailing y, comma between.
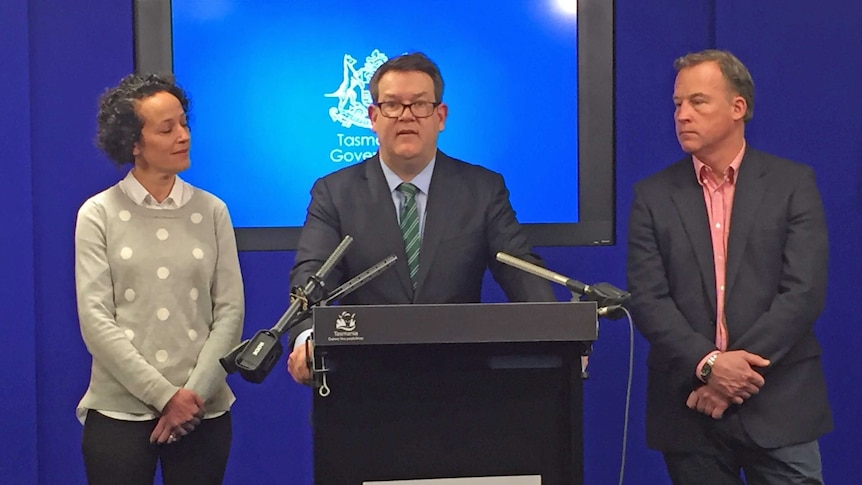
x: 117, y: 451
x: 733, y: 451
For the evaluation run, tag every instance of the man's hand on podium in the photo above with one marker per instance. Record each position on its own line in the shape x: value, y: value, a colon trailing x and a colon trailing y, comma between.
x: 299, y: 362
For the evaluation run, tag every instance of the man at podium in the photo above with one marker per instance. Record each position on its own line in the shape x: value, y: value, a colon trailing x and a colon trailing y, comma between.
x: 443, y: 218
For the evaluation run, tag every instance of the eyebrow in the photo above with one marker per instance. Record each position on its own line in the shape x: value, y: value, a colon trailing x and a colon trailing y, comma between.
x: 171, y: 119
x: 392, y: 97
x: 690, y: 96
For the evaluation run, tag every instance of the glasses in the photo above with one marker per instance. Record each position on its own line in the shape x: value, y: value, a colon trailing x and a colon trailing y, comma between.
x: 420, y: 109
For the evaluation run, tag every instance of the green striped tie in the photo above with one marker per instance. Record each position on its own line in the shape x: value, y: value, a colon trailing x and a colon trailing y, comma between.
x: 410, y: 228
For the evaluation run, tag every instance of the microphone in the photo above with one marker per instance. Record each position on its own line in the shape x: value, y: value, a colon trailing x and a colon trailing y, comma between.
x: 348, y: 287
x: 609, y: 298
x: 314, y: 288
x: 254, y: 358
x: 361, y: 279
x: 541, y: 272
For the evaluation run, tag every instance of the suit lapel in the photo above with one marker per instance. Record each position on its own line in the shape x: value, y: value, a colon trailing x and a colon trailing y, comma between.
x: 440, y: 205
x: 688, y: 199
x: 388, y: 233
x: 750, y: 187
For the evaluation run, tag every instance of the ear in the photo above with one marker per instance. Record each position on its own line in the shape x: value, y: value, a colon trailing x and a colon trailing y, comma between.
x: 442, y: 113
x: 372, y: 115
x: 136, y: 150
x: 740, y: 106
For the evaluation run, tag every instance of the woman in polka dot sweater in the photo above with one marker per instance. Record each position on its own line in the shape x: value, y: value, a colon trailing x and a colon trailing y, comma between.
x: 160, y: 299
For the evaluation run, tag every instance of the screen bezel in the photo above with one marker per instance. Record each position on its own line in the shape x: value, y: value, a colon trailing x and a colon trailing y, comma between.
x: 596, y: 140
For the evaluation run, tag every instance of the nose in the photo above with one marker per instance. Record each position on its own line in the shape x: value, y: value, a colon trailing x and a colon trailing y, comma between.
x: 406, y: 114
x: 682, y: 112
x: 185, y: 134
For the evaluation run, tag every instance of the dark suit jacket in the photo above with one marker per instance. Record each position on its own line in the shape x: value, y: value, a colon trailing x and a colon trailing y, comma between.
x: 775, y: 290
x: 468, y: 219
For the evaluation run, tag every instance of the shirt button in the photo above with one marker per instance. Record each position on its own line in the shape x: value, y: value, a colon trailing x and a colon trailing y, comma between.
x: 718, y: 225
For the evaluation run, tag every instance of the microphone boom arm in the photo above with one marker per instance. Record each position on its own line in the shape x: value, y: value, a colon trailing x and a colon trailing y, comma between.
x: 254, y: 358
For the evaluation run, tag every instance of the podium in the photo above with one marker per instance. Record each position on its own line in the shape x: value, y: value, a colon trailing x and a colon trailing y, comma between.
x: 411, y: 392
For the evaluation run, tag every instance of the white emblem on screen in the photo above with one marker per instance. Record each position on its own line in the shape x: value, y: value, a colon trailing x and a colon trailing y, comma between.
x: 353, y: 95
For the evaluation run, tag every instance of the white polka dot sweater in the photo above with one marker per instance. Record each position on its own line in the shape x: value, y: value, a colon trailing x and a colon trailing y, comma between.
x: 160, y: 299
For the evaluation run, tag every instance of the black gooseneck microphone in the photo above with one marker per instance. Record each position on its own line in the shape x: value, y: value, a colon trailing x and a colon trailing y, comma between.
x: 347, y: 288
x: 254, y: 358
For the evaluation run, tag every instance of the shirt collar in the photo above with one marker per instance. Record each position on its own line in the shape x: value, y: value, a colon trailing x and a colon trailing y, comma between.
x: 142, y: 197
x: 701, y: 169
x: 422, y: 180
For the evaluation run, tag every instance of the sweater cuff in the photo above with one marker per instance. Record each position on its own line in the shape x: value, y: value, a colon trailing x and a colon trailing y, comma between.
x: 162, y: 395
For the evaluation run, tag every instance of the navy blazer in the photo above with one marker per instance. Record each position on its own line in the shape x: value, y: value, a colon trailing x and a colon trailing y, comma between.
x: 775, y: 290
x: 468, y: 219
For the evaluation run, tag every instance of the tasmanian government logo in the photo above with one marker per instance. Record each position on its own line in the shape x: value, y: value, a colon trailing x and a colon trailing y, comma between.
x: 345, y: 329
x: 346, y: 322
x: 353, y: 95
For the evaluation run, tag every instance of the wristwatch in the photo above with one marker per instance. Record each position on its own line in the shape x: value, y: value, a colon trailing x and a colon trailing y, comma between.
x: 706, y: 370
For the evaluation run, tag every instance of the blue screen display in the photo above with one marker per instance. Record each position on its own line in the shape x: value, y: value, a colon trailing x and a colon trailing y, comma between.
x: 279, y: 95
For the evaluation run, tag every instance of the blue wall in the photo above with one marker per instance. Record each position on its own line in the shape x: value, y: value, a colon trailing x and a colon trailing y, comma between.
x: 57, y: 57
x: 18, y: 406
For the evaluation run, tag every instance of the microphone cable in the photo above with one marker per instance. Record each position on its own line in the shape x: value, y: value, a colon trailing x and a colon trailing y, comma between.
x: 628, y: 393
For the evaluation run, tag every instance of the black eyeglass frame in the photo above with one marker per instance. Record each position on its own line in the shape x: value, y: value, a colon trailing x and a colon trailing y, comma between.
x: 405, y: 106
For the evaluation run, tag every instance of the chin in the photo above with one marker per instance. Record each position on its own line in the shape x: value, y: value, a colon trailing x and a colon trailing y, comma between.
x: 407, y: 154
x: 688, y: 147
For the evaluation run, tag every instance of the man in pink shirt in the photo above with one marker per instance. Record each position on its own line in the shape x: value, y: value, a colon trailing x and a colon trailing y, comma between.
x: 727, y: 258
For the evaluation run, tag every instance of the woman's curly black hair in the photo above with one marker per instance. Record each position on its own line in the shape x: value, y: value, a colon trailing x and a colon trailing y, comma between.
x: 118, y: 120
